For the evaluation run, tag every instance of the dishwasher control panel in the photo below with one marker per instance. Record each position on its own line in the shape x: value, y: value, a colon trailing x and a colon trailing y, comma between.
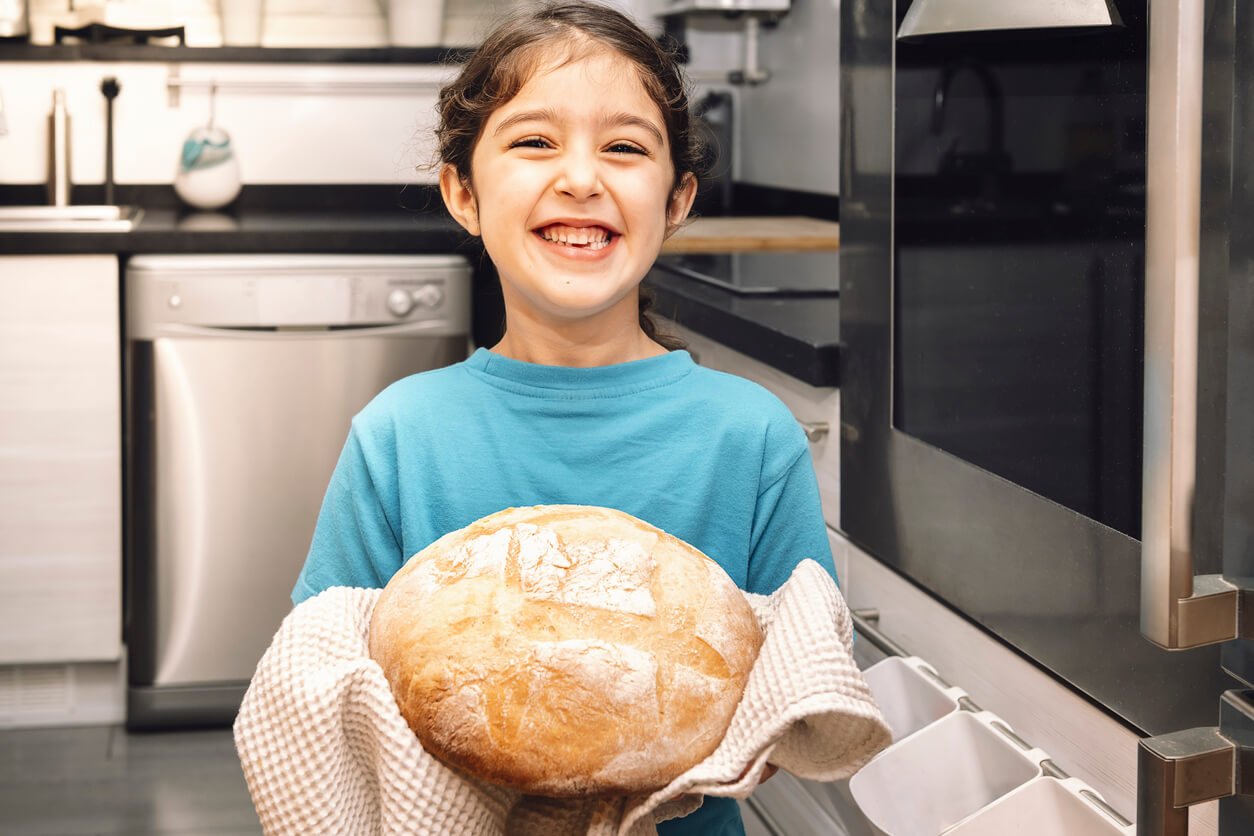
x: 299, y: 291
x: 415, y: 296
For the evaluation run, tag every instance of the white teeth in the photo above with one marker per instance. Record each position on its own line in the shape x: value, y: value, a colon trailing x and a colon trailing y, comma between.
x: 594, y: 238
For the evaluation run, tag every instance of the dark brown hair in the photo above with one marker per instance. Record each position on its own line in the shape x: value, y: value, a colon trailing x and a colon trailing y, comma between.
x: 513, y: 52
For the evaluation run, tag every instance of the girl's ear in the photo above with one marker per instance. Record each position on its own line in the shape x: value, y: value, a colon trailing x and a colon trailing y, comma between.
x: 681, y: 203
x: 459, y: 199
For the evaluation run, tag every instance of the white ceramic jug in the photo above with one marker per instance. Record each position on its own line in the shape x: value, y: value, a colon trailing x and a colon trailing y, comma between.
x: 208, y: 172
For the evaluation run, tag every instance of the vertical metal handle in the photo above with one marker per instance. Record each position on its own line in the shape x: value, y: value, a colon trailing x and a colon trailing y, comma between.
x: 1180, y: 769
x: 1175, y: 771
x: 1177, y: 610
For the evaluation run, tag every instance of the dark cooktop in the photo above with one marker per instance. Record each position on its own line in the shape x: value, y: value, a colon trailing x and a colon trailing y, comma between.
x: 762, y: 273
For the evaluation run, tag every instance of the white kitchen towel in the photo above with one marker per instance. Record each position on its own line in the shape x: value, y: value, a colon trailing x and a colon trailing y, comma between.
x: 326, y: 751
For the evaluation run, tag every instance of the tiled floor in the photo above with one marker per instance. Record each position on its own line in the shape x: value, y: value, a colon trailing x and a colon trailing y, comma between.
x: 102, y: 780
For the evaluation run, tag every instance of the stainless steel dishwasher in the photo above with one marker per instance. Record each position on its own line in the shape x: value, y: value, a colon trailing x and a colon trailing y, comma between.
x: 242, y: 375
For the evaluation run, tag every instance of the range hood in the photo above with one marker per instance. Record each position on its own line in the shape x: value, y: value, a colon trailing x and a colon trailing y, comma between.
x: 952, y: 17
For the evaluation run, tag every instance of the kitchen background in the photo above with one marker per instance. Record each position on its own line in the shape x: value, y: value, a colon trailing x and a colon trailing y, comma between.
x: 341, y: 109
x: 381, y: 136
x: 357, y: 123
x: 340, y: 102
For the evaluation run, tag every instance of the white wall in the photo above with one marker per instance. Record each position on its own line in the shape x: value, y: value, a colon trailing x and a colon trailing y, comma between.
x: 787, y: 129
x: 308, y: 123
x: 345, y: 123
x: 790, y: 125
x: 317, y: 123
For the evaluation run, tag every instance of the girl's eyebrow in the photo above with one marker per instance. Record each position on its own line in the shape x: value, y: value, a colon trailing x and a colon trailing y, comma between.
x: 541, y: 115
x: 548, y: 115
x: 618, y: 119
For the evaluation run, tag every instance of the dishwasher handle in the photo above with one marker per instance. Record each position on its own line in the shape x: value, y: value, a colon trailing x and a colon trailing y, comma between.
x: 443, y: 327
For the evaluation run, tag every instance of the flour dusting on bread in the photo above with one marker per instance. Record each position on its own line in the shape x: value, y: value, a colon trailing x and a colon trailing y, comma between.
x: 598, y: 671
x: 477, y: 556
x: 612, y: 574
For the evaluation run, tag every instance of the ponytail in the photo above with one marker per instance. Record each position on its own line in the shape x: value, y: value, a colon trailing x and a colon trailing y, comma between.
x: 670, y: 342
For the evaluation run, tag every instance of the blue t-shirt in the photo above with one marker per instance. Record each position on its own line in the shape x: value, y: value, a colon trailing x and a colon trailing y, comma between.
x: 708, y: 457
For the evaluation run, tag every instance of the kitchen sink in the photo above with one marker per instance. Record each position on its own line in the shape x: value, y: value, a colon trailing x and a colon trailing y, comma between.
x: 69, y: 218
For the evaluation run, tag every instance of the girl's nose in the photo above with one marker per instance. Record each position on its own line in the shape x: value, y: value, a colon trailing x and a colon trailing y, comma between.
x: 580, y: 176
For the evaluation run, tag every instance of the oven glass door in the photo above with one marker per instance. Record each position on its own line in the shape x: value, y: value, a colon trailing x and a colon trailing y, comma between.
x: 992, y: 293
x: 1019, y: 254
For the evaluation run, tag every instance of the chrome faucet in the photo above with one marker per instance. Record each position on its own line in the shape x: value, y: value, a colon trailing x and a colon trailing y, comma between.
x: 59, y: 151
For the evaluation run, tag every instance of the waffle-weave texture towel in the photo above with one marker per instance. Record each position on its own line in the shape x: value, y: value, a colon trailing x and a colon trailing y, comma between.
x: 326, y: 751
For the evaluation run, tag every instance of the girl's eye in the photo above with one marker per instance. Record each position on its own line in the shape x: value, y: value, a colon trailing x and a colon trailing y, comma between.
x: 530, y: 142
x: 627, y: 148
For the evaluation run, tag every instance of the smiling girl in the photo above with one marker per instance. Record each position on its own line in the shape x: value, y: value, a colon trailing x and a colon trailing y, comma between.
x: 567, y: 147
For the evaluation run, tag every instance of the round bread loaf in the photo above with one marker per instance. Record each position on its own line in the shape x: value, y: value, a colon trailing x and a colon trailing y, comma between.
x: 565, y: 650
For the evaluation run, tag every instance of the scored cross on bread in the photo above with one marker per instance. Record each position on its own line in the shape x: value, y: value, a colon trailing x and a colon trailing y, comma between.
x: 565, y: 650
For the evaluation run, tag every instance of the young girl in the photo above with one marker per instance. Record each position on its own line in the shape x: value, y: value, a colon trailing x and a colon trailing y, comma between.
x: 567, y: 147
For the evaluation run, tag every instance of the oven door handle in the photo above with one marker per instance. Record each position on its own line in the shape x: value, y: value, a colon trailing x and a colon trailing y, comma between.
x: 1178, y: 610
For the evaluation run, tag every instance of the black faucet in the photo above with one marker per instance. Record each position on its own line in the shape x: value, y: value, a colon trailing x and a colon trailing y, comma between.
x: 109, y: 88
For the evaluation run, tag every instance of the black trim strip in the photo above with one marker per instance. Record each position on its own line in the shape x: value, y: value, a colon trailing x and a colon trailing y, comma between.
x: 753, y: 199
x: 233, y: 54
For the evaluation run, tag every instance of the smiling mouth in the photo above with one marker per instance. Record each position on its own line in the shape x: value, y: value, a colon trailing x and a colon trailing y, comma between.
x: 581, y: 237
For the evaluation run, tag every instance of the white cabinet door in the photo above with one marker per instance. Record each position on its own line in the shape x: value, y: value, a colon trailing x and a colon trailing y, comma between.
x: 60, y: 459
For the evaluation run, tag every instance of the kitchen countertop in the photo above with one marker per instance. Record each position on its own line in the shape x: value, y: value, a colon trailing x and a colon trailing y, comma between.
x: 784, y: 233
x: 797, y: 334
x: 168, y: 230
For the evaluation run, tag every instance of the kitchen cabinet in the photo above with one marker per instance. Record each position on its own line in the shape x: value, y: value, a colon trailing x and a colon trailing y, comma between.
x: 60, y: 459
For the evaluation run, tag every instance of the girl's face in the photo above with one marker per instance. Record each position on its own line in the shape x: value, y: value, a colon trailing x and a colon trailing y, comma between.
x: 572, y: 191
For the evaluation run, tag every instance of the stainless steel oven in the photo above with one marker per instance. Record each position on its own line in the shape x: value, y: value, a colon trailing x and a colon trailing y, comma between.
x: 1046, y: 231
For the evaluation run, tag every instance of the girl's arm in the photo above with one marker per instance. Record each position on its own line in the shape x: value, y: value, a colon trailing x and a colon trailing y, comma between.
x: 788, y: 524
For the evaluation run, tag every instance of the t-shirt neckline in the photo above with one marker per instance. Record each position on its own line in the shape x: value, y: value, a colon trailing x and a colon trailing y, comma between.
x: 615, y: 379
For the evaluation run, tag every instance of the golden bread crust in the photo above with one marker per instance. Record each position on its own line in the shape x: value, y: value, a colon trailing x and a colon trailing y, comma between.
x: 565, y: 650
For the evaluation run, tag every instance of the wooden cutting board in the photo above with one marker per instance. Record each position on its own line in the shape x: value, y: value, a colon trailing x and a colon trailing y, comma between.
x: 753, y: 234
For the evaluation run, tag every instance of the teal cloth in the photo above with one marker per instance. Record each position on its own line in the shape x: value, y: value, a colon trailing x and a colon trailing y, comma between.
x: 202, y: 150
x: 709, y: 457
